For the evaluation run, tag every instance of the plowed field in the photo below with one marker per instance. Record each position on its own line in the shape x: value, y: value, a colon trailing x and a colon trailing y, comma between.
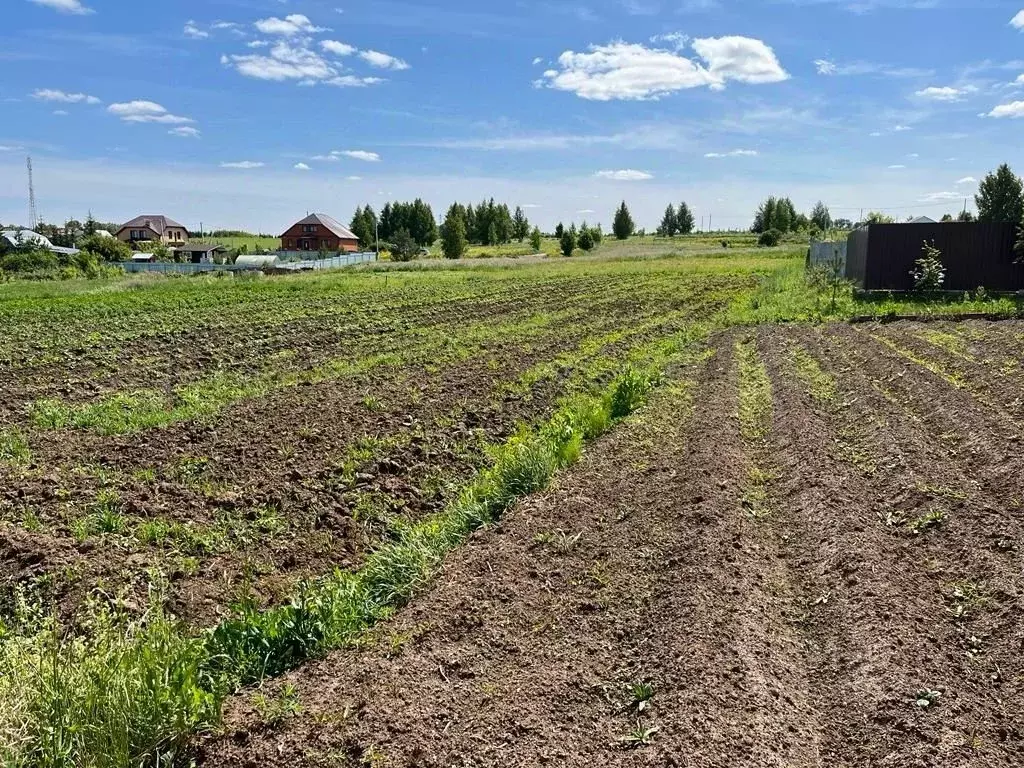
x: 808, y: 545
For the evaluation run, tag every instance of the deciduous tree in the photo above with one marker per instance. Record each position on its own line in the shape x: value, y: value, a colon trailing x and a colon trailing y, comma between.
x: 1000, y: 196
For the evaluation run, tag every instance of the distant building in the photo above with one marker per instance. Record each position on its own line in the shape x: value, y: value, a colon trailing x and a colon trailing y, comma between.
x: 922, y: 220
x: 160, y: 229
x: 14, y: 238
x: 319, y: 232
x: 103, y: 233
x: 199, y: 253
x: 256, y: 260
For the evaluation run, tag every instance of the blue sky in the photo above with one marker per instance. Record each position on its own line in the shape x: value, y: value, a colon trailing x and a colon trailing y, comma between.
x: 248, y: 113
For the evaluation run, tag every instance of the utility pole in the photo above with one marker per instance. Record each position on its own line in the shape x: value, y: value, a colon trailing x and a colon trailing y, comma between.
x: 701, y: 223
x: 376, y: 234
x: 33, y: 215
x: 709, y: 222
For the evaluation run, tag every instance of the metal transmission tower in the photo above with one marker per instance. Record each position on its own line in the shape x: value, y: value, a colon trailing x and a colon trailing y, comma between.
x: 33, y: 216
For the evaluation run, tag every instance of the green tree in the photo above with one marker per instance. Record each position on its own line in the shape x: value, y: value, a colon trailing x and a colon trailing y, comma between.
x: 623, y: 225
x: 107, y: 248
x: 668, y: 226
x: 765, y: 216
x: 1000, y: 196
x: 361, y: 229
x: 535, y: 239
x: 91, y: 225
x: 453, y: 237
x: 520, y: 225
x: 875, y: 217
x: 821, y: 216
x: 685, y: 221
x: 559, y: 231
x: 586, y: 238
x: 769, y: 238
x: 782, y: 220
x: 568, y: 240
x: 946, y: 217
x: 965, y: 216
x: 403, y: 247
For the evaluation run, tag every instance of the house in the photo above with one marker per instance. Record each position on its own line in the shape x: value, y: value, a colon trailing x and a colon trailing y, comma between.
x: 319, y: 232
x: 13, y: 238
x: 153, y: 229
x: 143, y: 258
x: 922, y: 220
x: 199, y: 253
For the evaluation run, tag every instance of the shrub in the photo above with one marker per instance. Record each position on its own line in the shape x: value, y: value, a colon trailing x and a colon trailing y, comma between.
x: 535, y: 239
x: 929, y: 272
x: 404, y: 247
x: 769, y: 238
x: 568, y: 241
x: 586, y: 239
x: 28, y: 261
x: 107, y: 248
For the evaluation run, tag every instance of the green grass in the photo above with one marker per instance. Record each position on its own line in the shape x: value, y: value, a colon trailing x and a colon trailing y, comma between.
x: 755, y: 393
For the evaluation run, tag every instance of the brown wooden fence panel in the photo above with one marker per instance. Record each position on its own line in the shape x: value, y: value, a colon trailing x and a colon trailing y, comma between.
x: 975, y: 254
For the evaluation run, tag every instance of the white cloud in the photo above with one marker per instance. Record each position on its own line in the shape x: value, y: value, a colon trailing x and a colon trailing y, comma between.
x: 585, y: 211
x: 244, y: 165
x: 353, y: 178
x: 288, y: 61
x: 938, y: 197
x: 967, y: 180
x: 289, y: 26
x: 383, y: 60
x: 1019, y: 80
x: 61, y: 112
x: 337, y: 48
x: 734, y: 153
x: 1013, y: 109
x: 944, y: 93
x: 677, y: 40
x: 875, y: 134
x: 7, y: 148
x: 1018, y: 21
x: 896, y: 167
x: 902, y: 128
x: 529, y: 206
x: 194, y: 32
x: 913, y: 155
x: 145, y: 112
x: 185, y: 131
x: 537, y: 60
x: 301, y: 167
x: 257, y: 44
x: 359, y: 154
x: 631, y: 71
x: 74, y: 7
x: 624, y: 175
x: 49, y: 94
x: 829, y: 68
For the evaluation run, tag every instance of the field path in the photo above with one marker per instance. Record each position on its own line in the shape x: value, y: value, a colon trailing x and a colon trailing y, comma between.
x: 766, y: 584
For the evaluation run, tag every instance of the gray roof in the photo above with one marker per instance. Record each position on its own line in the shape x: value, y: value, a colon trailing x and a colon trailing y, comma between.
x: 157, y: 222
x: 333, y: 225
x: 27, y: 236
x: 923, y: 220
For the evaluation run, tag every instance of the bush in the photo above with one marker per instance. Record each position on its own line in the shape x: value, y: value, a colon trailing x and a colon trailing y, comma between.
x: 568, y: 241
x: 769, y: 238
x: 107, y: 248
x: 586, y: 240
x: 404, y: 248
x: 29, y: 261
x: 535, y: 239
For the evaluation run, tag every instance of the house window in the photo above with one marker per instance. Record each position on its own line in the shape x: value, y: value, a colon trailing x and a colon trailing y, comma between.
x: 309, y: 227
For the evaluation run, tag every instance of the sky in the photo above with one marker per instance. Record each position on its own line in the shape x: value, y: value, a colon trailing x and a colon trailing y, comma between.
x: 246, y: 114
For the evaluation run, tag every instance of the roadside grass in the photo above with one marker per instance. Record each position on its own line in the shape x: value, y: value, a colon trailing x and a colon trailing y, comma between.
x: 130, y: 692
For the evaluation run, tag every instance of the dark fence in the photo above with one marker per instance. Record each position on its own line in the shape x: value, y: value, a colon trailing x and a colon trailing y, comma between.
x: 976, y: 254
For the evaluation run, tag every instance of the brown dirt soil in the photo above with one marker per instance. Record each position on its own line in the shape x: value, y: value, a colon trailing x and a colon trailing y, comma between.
x: 796, y: 636
x: 276, y: 452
